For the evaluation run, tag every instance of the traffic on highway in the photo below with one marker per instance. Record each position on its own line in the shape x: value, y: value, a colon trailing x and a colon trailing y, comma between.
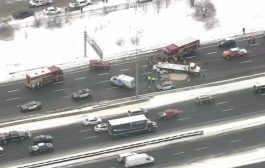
x: 186, y: 63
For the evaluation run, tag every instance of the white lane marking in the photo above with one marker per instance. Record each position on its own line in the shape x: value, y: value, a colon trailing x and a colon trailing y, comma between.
x: 84, y: 130
x: 104, y: 81
x: 122, y: 70
x: 179, y: 153
x: 66, y: 97
x: 212, y: 53
x: 190, y: 57
x: 103, y: 74
x: 245, y: 62
x: 80, y: 78
x: 220, y: 103
x: 254, y: 44
x: 228, y: 109
x: 238, y: 140
x: 11, y: 91
x: 90, y: 137
x: 146, y: 73
x: 201, y: 148
x: 15, y: 98
x: 58, y: 90
x: 184, y: 118
x: 58, y: 82
x: 114, y: 87
x: 144, y: 66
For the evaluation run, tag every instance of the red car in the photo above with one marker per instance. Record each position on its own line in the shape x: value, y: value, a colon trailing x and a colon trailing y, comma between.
x: 99, y: 64
x: 169, y: 113
x: 235, y: 52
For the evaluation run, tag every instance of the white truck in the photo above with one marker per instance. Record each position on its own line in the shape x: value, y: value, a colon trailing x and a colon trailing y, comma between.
x: 191, y: 68
x: 123, y: 81
x: 37, y: 3
x: 137, y: 160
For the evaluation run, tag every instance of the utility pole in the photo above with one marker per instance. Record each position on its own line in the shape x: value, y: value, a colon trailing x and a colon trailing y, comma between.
x: 136, y: 77
x: 85, y: 38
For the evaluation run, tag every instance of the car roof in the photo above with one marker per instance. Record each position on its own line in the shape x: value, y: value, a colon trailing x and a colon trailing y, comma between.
x: 229, y: 39
x: 204, y: 96
x: 234, y: 49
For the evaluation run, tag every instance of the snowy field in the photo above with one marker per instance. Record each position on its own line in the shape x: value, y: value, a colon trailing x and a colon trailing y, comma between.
x: 37, y: 47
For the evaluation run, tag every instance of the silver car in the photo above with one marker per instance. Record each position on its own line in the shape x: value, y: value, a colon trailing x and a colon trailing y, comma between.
x: 166, y: 85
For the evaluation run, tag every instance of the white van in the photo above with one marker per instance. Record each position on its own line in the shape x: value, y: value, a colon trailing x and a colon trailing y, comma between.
x: 138, y: 159
x: 122, y: 156
x: 136, y: 111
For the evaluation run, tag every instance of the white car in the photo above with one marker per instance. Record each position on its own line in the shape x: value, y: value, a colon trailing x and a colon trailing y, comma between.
x: 122, y: 156
x: 102, y: 127
x: 91, y: 120
x: 52, y: 10
x: 37, y: 3
x: 1, y: 150
x: 77, y: 4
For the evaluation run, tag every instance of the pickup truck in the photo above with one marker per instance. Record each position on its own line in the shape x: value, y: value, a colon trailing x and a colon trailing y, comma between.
x: 14, y: 136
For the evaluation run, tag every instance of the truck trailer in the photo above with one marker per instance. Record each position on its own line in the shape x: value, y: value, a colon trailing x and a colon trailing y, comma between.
x: 132, y: 124
x: 123, y: 81
x: 191, y: 68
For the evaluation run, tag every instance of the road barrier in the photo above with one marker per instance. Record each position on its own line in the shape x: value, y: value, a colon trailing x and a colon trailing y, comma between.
x: 111, y: 149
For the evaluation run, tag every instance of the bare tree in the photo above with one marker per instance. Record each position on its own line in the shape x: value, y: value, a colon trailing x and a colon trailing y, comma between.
x: 167, y: 3
x: 158, y: 5
x: 204, y: 9
x: 192, y: 3
x: 7, y: 31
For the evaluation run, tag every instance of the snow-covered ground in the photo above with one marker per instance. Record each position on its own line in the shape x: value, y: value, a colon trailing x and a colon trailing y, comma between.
x: 37, y: 47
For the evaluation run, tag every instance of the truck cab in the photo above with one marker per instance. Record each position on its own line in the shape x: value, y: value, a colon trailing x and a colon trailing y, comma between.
x: 193, y: 68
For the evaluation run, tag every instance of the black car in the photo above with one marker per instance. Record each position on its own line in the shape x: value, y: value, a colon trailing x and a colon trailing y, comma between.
x: 40, y: 148
x: 204, y: 99
x: 228, y: 42
x: 43, y: 138
x: 82, y: 93
x: 22, y: 14
x: 30, y: 106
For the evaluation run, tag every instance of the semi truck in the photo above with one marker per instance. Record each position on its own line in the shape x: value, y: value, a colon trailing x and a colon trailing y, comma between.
x: 123, y: 81
x: 190, y: 68
x: 44, y: 76
x: 127, y: 125
x: 178, y: 49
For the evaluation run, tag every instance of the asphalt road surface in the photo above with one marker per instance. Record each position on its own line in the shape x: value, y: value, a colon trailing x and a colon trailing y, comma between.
x: 182, y: 154
x: 59, y: 96
x: 77, y: 136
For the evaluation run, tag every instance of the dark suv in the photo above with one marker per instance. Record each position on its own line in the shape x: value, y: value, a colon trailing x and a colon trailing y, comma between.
x: 228, y: 42
x: 169, y: 113
x: 22, y: 14
x: 204, y: 99
x: 43, y: 138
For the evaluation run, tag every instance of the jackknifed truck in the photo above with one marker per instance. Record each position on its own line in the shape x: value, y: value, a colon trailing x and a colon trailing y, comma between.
x: 190, y: 68
x: 127, y: 125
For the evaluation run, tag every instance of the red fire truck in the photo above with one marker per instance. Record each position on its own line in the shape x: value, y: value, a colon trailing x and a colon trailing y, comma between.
x: 44, y: 76
x: 176, y: 51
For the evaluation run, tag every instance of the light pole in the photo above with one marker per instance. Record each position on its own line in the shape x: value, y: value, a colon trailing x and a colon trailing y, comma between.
x: 136, y: 77
x: 85, y: 38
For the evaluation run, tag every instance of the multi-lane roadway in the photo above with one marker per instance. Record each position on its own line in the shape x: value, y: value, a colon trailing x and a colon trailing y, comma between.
x: 58, y: 96
x: 74, y: 137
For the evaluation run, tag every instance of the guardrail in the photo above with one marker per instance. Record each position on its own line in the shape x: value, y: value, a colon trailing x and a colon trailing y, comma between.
x: 111, y: 149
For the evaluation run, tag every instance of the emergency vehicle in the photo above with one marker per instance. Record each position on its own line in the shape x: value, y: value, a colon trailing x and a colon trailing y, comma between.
x: 44, y: 76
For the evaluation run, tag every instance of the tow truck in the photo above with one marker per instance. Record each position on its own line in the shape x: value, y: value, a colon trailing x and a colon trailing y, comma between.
x: 14, y: 136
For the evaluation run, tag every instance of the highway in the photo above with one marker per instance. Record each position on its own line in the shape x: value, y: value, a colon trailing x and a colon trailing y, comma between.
x: 77, y: 136
x: 59, y: 96
x: 185, y: 153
